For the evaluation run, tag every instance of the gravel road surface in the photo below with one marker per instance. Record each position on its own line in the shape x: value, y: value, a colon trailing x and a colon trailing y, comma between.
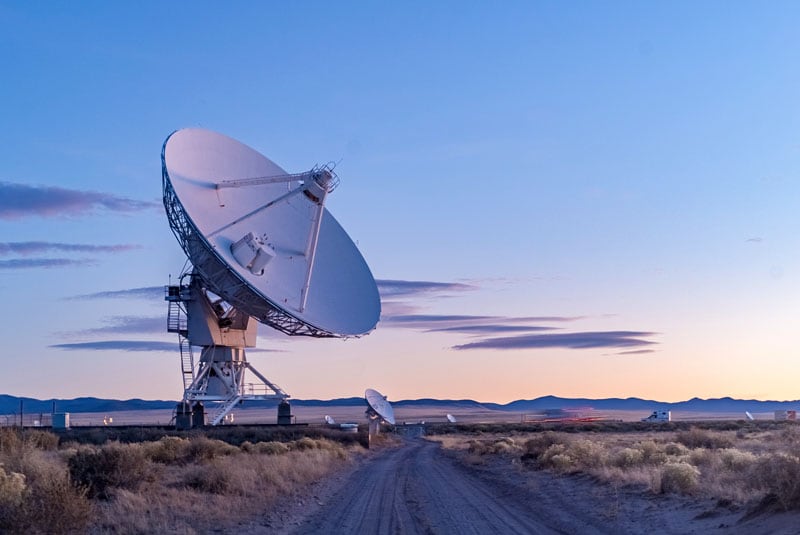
x: 417, y: 489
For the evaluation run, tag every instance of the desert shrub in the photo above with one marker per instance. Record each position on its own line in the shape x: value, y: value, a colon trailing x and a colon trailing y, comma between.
x: 50, y: 502
x: 268, y: 448
x: 790, y: 434
x: 204, y: 449
x: 227, y: 476
x: 652, y: 453
x: 212, y: 478
x: 54, y: 505
x: 113, y: 465
x: 505, y: 445
x: 746, y: 430
x: 779, y: 475
x: 679, y: 477
x: 736, y: 460
x: 675, y: 449
x: 587, y: 454
x: 539, y: 444
x: 702, y: 457
x: 478, y: 447
x: 42, y: 440
x: 167, y: 450
x: 557, y: 458
x: 325, y: 444
x: 12, y: 491
x: 560, y: 462
x: 701, y: 438
x: 628, y: 458
x: 10, y: 441
x: 305, y: 443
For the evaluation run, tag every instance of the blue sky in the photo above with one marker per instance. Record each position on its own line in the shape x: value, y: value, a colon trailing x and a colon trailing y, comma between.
x: 593, y: 199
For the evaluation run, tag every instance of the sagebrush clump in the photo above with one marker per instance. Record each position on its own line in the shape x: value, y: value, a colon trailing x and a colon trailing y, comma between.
x: 100, y: 470
x: 37, y: 494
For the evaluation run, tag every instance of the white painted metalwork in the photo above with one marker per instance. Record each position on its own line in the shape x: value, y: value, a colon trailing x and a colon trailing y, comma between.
x: 261, y: 244
x: 378, y: 406
x: 217, y: 190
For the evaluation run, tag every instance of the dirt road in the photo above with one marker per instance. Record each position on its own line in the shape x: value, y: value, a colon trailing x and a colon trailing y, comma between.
x: 417, y: 489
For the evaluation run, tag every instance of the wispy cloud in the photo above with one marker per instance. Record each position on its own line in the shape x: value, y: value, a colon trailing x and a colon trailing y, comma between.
x: 467, y: 323
x: 636, y: 352
x: 398, y: 288
x: 492, y: 329
x: 577, y: 340
x: 127, y: 325
x: 23, y: 200
x: 28, y: 263
x: 38, y: 247
x: 120, y: 345
x: 147, y: 292
x: 427, y: 320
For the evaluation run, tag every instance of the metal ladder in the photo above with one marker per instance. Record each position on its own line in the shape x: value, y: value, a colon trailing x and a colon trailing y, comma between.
x: 177, y: 322
x: 176, y: 319
x: 187, y: 362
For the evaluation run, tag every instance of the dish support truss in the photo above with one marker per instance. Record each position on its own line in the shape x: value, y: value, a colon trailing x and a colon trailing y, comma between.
x: 223, y: 333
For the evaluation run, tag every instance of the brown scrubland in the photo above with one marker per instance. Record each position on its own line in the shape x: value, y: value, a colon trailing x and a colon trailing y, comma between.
x: 83, y: 482
x: 750, y: 464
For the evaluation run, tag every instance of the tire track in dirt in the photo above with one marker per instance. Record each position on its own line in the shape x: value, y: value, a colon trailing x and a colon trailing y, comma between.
x: 417, y: 490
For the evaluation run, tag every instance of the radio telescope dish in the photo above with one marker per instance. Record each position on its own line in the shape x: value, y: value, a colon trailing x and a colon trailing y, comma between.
x: 378, y: 406
x: 261, y: 244
x: 451, y: 418
x: 262, y: 239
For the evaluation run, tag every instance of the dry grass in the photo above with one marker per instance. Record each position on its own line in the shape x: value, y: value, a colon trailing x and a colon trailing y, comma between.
x: 745, y: 465
x: 174, y: 484
x: 37, y: 494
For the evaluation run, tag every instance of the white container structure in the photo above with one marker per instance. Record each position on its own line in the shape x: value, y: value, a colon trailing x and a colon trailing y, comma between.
x: 659, y: 416
x: 61, y: 420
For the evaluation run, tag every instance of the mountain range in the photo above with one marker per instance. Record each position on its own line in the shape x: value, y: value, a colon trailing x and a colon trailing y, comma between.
x: 11, y: 404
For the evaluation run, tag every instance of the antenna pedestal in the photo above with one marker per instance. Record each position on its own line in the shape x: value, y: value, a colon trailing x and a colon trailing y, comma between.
x: 374, y: 426
x: 202, y: 319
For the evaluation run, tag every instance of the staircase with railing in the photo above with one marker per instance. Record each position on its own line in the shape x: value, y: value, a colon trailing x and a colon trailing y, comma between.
x: 225, y: 408
x: 177, y: 322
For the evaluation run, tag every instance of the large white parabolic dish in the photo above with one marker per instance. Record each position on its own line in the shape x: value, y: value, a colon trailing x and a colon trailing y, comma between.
x: 378, y: 403
x: 340, y: 298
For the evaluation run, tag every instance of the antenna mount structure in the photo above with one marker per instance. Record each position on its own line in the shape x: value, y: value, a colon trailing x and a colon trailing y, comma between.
x: 378, y: 410
x: 261, y: 245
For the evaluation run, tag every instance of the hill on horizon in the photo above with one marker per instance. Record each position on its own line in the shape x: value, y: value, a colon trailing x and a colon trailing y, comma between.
x: 11, y: 404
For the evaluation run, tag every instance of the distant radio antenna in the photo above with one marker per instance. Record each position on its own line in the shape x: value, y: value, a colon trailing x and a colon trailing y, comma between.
x: 378, y: 410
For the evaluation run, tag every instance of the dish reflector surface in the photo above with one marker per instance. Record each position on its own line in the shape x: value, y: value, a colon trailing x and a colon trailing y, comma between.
x: 377, y: 402
x: 252, y: 238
